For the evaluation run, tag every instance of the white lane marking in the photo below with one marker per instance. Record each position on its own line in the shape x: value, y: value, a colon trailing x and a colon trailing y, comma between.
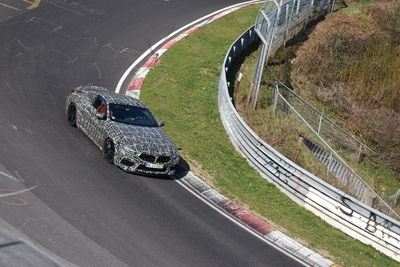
x: 9, y: 176
x: 152, y: 48
x: 239, y: 224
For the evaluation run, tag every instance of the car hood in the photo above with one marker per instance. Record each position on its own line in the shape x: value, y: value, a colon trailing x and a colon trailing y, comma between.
x: 152, y: 140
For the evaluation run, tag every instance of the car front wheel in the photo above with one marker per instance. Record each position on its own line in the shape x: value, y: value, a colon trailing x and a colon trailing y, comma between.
x: 109, y: 150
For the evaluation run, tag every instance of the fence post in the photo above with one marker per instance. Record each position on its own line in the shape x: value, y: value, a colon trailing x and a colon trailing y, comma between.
x: 276, y: 92
x: 271, y: 40
x: 258, y: 74
x: 320, y: 123
x: 264, y: 56
x: 298, y: 7
x: 332, y: 5
x: 288, y: 22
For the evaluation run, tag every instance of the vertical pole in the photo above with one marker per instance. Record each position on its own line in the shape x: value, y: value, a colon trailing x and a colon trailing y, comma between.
x: 289, y: 22
x: 271, y: 40
x: 258, y: 74
x: 298, y: 7
x: 320, y: 123
x: 264, y: 56
x: 286, y: 20
x: 332, y: 5
x: 276, y: 92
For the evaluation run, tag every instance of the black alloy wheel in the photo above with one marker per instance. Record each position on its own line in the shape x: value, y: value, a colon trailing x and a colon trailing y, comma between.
x: 72, y: 115
x: 108, y: 150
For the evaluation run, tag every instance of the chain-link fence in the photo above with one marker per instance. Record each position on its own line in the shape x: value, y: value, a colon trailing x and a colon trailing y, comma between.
x: 331, y: 144
x: 339, y: 139
x: 277, y: 22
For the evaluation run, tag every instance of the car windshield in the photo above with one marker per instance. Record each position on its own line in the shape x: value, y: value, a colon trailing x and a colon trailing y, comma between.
x: 132, y: 115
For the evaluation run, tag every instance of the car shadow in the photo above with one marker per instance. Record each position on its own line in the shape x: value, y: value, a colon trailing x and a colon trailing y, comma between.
x: 181, y: 170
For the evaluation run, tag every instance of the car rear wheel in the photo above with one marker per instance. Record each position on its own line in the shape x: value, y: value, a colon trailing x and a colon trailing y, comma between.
x: 72, y: 115
x: 109, y: 150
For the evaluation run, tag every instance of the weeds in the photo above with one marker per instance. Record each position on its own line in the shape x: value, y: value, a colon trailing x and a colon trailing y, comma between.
x: 348, y: 67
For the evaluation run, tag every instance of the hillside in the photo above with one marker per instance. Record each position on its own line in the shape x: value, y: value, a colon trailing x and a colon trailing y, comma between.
x: 351, y: 64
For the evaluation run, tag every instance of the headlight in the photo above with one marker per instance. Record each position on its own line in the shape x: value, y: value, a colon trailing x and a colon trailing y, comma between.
x: 126, y: 149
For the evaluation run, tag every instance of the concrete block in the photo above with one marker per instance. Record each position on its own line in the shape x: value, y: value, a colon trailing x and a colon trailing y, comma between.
x: 214, y: 196
x: 288, y: 244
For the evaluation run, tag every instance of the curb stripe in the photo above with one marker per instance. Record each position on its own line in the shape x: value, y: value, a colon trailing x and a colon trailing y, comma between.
x: 237, y: 213
x: 137, y: 80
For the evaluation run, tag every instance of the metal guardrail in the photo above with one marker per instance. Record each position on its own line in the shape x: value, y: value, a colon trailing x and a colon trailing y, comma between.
x: 277, y: 22
x: 337, y: 208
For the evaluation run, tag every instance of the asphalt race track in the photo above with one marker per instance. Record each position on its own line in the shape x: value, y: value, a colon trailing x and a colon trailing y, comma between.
x: 86, y: 211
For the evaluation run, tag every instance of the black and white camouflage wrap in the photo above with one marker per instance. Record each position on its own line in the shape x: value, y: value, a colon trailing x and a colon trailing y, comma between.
x: 139, y: 149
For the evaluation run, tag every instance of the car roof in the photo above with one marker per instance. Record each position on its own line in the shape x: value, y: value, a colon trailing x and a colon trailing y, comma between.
x: 114, y: 98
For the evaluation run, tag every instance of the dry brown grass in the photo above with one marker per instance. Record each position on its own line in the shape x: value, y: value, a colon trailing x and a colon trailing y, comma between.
x: 351, y: 64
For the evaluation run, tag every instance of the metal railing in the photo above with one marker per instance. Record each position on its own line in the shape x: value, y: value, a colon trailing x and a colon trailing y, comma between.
x: 277, y: 22
x: 290, y: 104
x: 328, y: 130
x: 332, y: 205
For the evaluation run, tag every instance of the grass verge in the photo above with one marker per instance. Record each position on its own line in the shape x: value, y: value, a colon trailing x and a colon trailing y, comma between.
x: 183, y: 91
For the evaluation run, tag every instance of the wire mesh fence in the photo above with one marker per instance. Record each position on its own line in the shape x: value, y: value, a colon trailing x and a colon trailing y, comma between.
x: 279, y: 21
x: 331, y: 144
x: 338, y: 138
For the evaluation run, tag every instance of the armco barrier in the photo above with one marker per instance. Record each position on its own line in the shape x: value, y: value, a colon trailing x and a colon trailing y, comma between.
x: 332, y: 205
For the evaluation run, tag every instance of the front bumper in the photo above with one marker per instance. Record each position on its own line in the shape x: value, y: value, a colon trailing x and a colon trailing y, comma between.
x: 136, y: 165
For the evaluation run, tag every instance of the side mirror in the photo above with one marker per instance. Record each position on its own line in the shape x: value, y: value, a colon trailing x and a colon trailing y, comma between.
x: 160, y: 123
x: 101, y: 116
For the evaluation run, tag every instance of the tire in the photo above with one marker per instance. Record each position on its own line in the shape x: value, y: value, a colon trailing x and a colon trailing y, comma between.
x: 109, y: 150
x: 71, y: 114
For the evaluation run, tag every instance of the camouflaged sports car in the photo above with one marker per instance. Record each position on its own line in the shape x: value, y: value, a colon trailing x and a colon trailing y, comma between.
x: 124, y: 129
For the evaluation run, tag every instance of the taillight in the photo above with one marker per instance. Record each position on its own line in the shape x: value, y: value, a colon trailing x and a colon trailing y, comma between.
x: 72, y: 91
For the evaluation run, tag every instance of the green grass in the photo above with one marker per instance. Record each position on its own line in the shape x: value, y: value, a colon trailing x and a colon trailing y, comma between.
x: 183, y: 91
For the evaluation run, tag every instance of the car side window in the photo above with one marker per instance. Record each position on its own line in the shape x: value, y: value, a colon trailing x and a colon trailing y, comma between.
x: 100, y: 104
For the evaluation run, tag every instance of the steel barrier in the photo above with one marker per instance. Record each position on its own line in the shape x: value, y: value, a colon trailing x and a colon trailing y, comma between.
x: 337, y: 208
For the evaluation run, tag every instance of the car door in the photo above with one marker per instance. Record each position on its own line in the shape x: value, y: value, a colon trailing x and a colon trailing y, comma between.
x: 88, y: 122
x: 98, y: 131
